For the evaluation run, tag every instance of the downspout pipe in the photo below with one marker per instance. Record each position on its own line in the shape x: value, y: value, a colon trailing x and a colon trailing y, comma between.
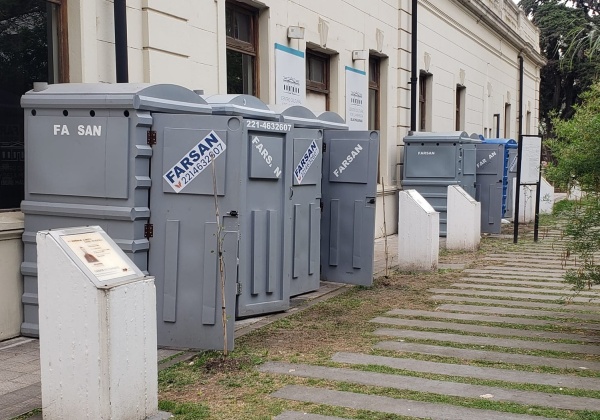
x: 121, y: 60
x: 413, y: 76
x: 519, y: 153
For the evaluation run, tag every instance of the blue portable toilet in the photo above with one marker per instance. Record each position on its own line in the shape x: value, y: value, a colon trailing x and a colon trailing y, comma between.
x: 492, y: 181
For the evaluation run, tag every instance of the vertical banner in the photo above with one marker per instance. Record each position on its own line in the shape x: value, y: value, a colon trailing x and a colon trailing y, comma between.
x: 290, y: 76
x: 356, y: 99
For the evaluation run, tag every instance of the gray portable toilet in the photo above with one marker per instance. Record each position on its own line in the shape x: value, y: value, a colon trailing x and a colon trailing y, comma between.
x: 512, y: 175
x: 433, y: 161
x: 88, y: 152
x: 305, y: 193
x: 349, y: 195
x: 261, y: 202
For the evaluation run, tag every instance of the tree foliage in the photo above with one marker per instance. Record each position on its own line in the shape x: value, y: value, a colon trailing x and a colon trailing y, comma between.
x: 565, y: 27
x: 576, y: 146
x: 576, y: 149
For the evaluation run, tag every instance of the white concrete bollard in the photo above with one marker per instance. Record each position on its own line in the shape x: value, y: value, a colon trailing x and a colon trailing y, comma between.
x: 526, y: 202
x: 418, y: 233
x: 463, y: 225
x: 546, y: 197
x: 97, y: 329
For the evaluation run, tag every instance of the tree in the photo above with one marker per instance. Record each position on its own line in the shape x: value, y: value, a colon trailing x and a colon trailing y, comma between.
x: 576, y: 149
x: 566, y: 76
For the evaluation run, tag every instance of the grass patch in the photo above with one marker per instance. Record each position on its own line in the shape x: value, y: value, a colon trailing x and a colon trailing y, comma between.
x: 185, y: 411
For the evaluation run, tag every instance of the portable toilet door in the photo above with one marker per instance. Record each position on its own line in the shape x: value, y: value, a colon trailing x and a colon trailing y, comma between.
x: 184, y: 253
x: 349, y: 195
x: 305, y: 193
x: 490, y: 185
x: 264, y: 209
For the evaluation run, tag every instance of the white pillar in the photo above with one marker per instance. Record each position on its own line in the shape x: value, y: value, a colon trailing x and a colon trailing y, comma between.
x: 97, y: 329
x: 463, y: 225
x: 418, y: 233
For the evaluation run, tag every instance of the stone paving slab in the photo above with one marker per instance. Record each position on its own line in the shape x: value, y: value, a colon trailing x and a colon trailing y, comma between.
x: 558, y: 306
x: 595, y: 318
x: 546, y: 263
x: 511, y: 268
x: 413, y: 383
x: 482, y: 329
x: 519, y: 276
x: 477, y: 317
x: 20, y: 401
x: 489, y: 341
x: 418, y: 409
x: 537, y: 258
x: 451, y: 266
x: 532, y: 274
x: 526, y: 257
x: 525, y: 289
x: 507, y: 295
x: 509, y: 281
x: 296, y: 415
x: 486, y: 373
x: 488, y: 356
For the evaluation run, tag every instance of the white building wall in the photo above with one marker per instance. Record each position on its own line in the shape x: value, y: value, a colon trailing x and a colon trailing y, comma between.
x: 457, y: 47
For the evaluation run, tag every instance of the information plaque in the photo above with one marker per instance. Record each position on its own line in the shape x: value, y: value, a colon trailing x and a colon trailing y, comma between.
x: 98, y: 256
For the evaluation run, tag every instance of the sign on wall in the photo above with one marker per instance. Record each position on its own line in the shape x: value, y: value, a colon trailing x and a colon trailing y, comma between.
x: 530, y: 162
x: 290, y: 76
x: 356, y: 99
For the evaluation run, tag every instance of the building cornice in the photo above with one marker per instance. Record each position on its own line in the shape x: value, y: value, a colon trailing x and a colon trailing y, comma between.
x: 486, y: 15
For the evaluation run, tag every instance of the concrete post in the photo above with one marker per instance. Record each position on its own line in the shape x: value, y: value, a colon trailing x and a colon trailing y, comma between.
x: 97, y: 329
x: 546, y: 197
x: 418, y: 233
x: 463, y: 228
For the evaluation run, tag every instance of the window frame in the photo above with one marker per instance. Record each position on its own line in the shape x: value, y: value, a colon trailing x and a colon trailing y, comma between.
x: 460, y: 106
x: 375, y: 67
x: 425, y: 99
x: 507, y: 118
x: 312, y: 85
x: 63, y: 40
x: 244, y: 47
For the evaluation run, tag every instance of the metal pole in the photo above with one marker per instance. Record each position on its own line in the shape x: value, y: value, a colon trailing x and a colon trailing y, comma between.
x: 520, y: 153
x: 413, y: 77
x: 121, y: 60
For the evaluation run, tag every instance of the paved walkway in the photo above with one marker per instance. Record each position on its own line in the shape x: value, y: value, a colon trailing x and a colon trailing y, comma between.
x: 524, y: 313
x: 20, y: 388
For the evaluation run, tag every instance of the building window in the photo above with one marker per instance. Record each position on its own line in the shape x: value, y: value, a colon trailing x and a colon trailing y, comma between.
x: 317, y: 81
x: 241, y: 30
x: 461, y: 92
x: 506, y: 121
x: 374, y: 92
x: 425, y: 82
x: 528, y: 123
x: 32, y: 48
x: 374, y: 102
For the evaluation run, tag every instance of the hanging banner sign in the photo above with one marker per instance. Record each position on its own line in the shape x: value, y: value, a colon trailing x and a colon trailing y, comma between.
x: 290, y: 76
x: 356, y: 99
x: 530, y: 161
